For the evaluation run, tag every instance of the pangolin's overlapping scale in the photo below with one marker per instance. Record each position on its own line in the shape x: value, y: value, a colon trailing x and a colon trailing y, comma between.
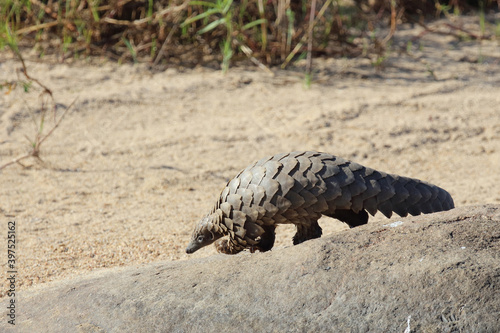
x: 246, y: 178
x: 298, y: 187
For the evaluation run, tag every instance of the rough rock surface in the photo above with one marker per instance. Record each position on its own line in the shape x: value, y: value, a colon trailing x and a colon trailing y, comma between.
x: 441, y: 269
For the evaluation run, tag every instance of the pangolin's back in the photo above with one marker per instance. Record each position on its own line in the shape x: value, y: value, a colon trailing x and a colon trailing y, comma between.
x: 298, y: 187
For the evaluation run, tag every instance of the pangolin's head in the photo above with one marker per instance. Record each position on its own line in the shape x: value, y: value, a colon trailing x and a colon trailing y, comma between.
x: 205, y: 233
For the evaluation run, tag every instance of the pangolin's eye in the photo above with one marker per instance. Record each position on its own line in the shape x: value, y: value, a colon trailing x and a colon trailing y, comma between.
x: 200, y: 239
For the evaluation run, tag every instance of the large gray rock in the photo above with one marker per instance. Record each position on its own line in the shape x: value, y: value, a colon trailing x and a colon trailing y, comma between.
x: 442, y: 269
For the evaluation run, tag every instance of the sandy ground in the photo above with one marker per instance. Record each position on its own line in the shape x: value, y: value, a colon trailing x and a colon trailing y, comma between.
x: 142, y: 156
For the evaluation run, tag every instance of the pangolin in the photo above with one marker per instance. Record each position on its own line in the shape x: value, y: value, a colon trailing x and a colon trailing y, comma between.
x: 298, y: 188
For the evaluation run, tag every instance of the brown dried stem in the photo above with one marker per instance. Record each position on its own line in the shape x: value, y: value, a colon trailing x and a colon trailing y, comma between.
x: 39, y: 137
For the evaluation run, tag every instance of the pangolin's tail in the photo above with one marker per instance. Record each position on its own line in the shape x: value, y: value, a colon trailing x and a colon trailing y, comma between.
x: 404, y: 196
x: 363, y: 188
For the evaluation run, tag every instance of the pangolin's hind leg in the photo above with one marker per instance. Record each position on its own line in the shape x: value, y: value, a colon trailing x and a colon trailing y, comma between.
x: 306, y: 232
x: 266, y: 239
x: 350, y: 217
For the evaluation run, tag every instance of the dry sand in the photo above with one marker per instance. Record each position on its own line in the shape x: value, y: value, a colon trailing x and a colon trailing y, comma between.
x: 142, y: 156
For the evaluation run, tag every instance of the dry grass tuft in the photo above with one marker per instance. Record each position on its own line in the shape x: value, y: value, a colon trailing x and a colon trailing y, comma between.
x: 216, y: 32
x: 47, y: 105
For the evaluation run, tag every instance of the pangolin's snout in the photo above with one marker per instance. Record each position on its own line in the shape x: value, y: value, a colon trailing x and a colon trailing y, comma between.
x: 191, y: 248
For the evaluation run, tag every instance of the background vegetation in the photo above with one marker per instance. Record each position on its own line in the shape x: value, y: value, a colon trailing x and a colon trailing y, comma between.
x: 213, y: 32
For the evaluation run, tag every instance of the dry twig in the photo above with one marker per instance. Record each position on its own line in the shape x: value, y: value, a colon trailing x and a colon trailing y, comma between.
x: 39, y: 137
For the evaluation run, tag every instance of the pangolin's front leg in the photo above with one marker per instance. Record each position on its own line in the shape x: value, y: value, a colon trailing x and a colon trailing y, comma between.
x: 227, y: 246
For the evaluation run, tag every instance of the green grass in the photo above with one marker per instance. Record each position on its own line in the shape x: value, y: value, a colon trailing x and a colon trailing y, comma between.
x: 131, y: 49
